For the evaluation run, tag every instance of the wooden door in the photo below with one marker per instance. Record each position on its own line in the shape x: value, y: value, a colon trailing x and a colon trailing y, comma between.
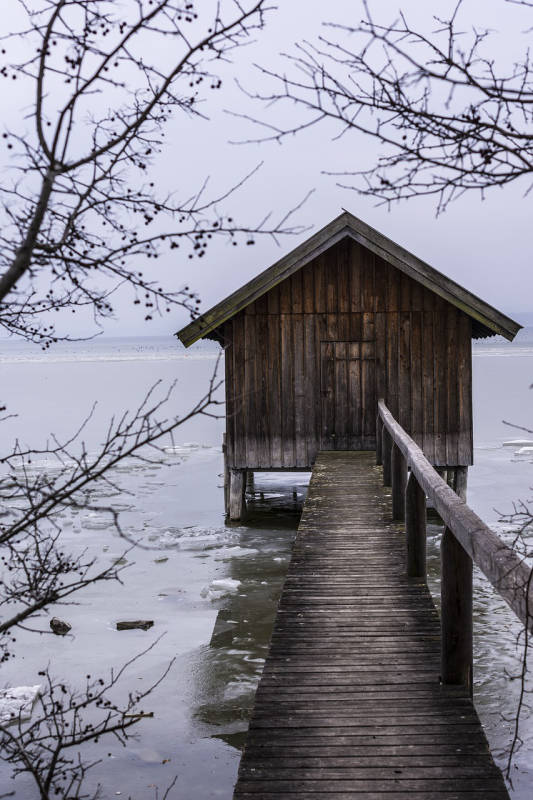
x: 348, y: 395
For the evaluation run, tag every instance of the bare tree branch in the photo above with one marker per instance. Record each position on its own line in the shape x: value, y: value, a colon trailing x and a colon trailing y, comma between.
x: 81, y: 213
x: 449, y: 119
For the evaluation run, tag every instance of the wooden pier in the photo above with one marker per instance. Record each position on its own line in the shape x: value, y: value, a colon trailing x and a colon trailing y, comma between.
x: 366, y: 691
x: 351, y: 703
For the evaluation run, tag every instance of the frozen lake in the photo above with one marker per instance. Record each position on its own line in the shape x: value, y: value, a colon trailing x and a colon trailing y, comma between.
x: 212, y: 589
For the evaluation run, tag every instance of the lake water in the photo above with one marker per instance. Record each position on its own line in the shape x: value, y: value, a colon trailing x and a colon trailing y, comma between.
x: 212, y: 589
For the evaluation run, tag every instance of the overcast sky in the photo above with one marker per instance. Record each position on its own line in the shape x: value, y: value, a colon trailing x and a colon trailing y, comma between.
x: 484, y: 245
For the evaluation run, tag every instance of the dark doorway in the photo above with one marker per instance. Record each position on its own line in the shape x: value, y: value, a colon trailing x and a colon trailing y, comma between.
x: 348, y: 392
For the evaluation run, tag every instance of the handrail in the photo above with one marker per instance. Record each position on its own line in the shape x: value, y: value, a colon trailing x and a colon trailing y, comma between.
x: 502, y: 566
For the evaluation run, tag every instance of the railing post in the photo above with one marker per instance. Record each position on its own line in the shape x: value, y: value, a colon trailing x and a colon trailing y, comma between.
x: 399, y: 479
x: 386, y: 450
x: 379, y: 436
x: 456, y: 613
x: 415, y: 526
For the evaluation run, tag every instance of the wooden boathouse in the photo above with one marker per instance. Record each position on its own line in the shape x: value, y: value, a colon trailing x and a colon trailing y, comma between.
x: 313, y: 341
x: 352, y: 357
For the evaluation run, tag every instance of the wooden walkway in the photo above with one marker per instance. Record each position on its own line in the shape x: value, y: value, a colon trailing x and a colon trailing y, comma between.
x: 350, y: 704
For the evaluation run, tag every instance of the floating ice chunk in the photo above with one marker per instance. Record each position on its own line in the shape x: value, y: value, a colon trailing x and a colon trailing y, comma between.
x: 228, y: 584
x: 122, y: 506
x: 220, y: 587
x: 17, y: 702
x: 95, y: 522
x: 518, y: 443
x: 182, y: 448
x: 195, y: 537
x: 524, y: 451
x: 231, y: 552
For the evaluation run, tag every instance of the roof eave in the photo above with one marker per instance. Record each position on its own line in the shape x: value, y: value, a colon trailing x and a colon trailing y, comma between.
x: 425, y: 274
x: 322, y: 240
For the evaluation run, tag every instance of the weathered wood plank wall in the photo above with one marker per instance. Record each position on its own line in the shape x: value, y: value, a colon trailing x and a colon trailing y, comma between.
x: 310, y: 358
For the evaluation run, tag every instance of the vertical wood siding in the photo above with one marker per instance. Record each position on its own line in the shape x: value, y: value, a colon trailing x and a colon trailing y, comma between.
x: 309, y: 359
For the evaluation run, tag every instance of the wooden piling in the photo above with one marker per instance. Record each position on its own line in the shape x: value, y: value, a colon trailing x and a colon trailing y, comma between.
x: 450, y: 477
x: 443, y: 472
x: 460, y: 484
x: 226, y: 474
x: 237, y: 504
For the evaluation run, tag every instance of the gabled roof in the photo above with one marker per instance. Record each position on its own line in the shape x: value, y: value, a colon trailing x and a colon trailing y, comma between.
x: 488, y: 321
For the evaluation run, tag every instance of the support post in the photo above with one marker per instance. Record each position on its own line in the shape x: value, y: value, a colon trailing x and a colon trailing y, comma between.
x: 379, y: 437
x: 415, y: 525
x: 456, y: 613
x: 237, y: 488
x: 450, y: 477
x: 461, y: 480
x: 226, y: 474
x: 399, y: 479
x: 443, y: 472
x: 386, y: 448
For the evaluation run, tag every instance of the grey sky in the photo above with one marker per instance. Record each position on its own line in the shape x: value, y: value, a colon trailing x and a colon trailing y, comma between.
x: 483, y: 245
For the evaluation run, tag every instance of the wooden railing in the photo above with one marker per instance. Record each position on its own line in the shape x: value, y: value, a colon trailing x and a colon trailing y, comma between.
x: 466, y: 539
